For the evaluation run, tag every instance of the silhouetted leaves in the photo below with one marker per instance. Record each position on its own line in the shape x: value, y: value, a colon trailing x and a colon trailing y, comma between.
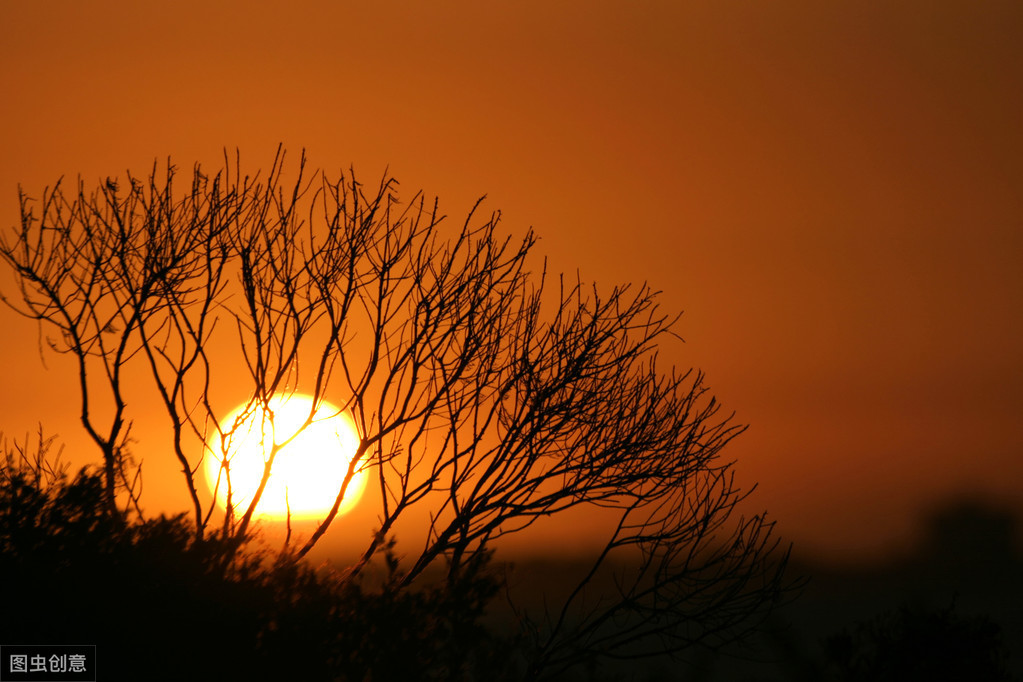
x: 163, y: 605
x: 917, y: 645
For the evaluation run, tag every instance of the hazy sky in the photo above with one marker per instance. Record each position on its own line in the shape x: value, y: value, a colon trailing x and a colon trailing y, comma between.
x: 832, y: 192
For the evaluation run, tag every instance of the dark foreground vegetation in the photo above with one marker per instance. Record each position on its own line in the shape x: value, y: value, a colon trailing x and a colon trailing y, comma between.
x: 161, y: 604
x: 945, y: 608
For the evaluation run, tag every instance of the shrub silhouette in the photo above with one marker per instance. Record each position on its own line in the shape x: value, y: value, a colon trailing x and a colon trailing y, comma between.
x: 431, y: 634
x: 161, y: 604
x: 913, y: 645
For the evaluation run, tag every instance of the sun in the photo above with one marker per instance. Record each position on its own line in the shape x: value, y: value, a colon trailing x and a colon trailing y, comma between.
x: 307, y: 473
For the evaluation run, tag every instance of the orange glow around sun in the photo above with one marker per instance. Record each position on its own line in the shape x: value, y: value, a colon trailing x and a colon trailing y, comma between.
x: 307, y: 472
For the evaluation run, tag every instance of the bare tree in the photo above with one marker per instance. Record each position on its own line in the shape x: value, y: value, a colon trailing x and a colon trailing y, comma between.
x: 482, y: 393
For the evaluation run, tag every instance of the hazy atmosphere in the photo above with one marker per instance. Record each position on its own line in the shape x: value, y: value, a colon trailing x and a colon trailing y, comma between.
x: 831, y: 194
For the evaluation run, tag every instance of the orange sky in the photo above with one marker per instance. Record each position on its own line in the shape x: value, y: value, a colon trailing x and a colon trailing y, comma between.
x: 833, y: 192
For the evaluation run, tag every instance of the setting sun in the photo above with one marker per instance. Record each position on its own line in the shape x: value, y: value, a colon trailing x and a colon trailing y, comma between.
x: 307, y: 472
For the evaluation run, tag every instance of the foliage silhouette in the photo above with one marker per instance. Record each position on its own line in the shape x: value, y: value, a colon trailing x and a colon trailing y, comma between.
x: 486, y: 399
x: 944, y: 607
x: 919, y: 645
x: 162, y: 604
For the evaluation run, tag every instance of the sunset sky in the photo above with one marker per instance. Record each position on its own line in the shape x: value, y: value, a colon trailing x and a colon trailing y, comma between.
x: 832, y: 192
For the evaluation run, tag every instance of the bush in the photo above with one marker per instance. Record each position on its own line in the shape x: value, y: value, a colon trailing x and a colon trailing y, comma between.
x: 163, y: 605
x: 915, y: 645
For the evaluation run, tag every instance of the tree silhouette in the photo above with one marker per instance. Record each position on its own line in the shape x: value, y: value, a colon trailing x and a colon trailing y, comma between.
x: 483, y: 393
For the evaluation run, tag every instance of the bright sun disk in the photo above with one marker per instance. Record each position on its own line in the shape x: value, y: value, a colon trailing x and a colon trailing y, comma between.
x: 307, y: 473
